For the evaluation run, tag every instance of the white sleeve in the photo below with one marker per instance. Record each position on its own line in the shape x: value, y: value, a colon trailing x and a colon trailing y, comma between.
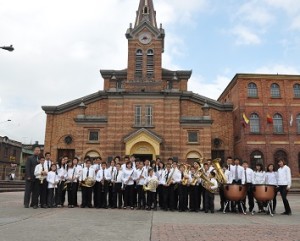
x: 289, y: 177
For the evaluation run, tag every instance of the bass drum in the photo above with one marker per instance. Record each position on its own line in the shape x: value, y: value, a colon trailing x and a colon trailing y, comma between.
x: 264, y: 193
x: 235, y: 192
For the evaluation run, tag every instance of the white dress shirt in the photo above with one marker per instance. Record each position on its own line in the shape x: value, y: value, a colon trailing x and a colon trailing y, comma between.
x: 176, y: 176
x: 160, y: 175
x: 85, y: 171
x: 62, y: 173
x: 52, y: 179
x: 240, y: 173
x: 140, y: 176
x: 38, y: 170
x: 249, y: 175
x: 215, y: 184
x: 117, y: 176
x: 100, y: 177
x: 47, y: 165
x: 271, y: 178
x: 259, y: 178
x: 228, y: 176
x: 126, y: 176
x: 284, y: 176
x: 154, y: 177
x: 72, y: 175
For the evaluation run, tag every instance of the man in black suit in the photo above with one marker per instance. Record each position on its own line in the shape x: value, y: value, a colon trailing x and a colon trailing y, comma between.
x: 31, y: 162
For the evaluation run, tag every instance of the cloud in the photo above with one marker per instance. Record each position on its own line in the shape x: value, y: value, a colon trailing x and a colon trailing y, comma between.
x: 277, y: 69
x: 244, y: 36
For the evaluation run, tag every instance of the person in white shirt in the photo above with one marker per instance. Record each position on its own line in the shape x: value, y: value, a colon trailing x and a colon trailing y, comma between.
x: 249, y: 175
x: 193, y: 191
x: 168, y: 188
x: 183, y: 189
x: 96, y: 166
x: 259, y: 177
x: 117, y: 187
x: 52, y: 179
x: 40, y: 183
x: 284, y: 185
x: 71, y: 180
x: 151, y: 199
x: 140, y: 178
x: 112, y: 170
x: 221, y: 189
x: 88, y: 172
x: 271, y: 179
x: 78, y: 171
x: 209, y: 196
x: 128, y: 185
x: 103, y: 177
x: 176, y: 182
x: 160, y: 177
x: 237, y: 172
x: 62, y: 174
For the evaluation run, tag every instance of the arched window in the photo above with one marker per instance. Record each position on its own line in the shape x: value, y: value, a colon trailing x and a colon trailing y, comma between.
x: 256, y: 157
x: 297, y: 90
x: 254, y: 123
x: 139, y: 64
x: 252, y: 90
x: 277, y: 123
x: 275, y: 91
x: 298, y: 123
x: 150, y: 63
x: 280, y: 154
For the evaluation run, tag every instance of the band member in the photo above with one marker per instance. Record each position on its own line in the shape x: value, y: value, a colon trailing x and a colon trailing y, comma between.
x: 160, y: 177
x: 103, y: 178
x: 229, y: 162
x: 133, y: 160
x: 88, y: 172
x: 168, y: 188
x: 151, y: 199
x: 40, y: 183
x: 209, y: 196
x: 183, y: 189
x: 125, y: 160
x: 249, y: 175
x: 140, y: 174
x: 207, y: 173
x: 272, y: 179
x: 210, y: 167
x: 30, y: 165
x: 259, y: 177
x: 62, y: 174
x: 237, y: 172
x: 78, y: 171
x: 97, y: 167
x: 194, y: 191
x: 71, y: 184
x: 284, y: 184
x: 128, y: 185
x: 52, y: 179
x: 112, y: 170
x: 200, y: 189
x: 117, y: 187
x: 176, y: 182
x: 221, y: 189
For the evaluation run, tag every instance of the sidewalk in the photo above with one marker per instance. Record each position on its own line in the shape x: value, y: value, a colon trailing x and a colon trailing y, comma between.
x: 18, y: 223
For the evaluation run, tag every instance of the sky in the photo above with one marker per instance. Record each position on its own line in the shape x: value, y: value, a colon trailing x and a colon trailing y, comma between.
x: 60, y: 46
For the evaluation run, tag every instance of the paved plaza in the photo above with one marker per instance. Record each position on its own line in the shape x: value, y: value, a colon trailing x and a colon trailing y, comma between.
x: 64, y: 224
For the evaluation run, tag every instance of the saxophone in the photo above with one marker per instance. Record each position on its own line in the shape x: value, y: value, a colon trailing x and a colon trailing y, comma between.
x: 186, y: 171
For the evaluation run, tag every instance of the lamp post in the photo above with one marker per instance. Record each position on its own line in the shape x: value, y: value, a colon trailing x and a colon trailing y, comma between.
x: 8, y: 48
x: 5, y: 121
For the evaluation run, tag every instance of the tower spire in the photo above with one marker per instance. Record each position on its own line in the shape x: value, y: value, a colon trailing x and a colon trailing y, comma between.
x: 146, y: 12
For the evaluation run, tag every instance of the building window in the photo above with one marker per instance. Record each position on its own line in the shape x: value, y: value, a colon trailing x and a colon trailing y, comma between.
x: 254, y: 123
x: 6, y: 151
x: 275, y: 91
x: 139, y: 63
x: 150, y: 63
x: 252, y: 90
x: 298, y: 123
x: 148, y: 115
x: 277, y: 123
x: 193, y: 137
x: 297, y: 90
x: 94, y: 135
x: 119, y: 84
x: 138, y: 115
x: 169, y: 84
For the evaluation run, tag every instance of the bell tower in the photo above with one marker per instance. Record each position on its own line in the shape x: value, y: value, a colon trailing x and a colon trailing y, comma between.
x: 145, y: 46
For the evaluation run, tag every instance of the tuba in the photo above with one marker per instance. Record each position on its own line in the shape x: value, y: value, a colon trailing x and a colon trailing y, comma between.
x: 88, y: 182
x: 152, y: 185
x: 220, y: 177
x: 206, y: 183
x: 196, y: 177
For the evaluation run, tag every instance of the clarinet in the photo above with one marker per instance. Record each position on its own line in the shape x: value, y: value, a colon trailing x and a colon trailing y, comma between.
x: 125, y: 184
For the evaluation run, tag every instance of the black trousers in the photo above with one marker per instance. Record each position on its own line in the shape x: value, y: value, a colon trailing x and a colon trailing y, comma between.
x: 250, y: 198
x: 102, y: 194
x: 117, y: 195
x: 169, y: 202
x: 283, y: 192
x: 51, y: 197
x: 61, y: 193
x: 31, y: 192
x: 95, y: 193
x: 194, y: 198
x: 86, y: 196
x: 160, y: 194
x: 141, y: 196
x: 42, y: 192
x: 72, y: 194
x: 151, y: 199
x: 76, y: 185
x: 110, y: 194
x: 183, y: 197
x: 128, y: 195
x: 202, y: 195
x: 209, y: 201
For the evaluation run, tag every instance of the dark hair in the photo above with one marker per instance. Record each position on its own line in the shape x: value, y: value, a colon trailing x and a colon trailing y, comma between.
x: 269, y: 166
x: 117, y: 157
x: 213, y: 173
x: 151, y: 164
x: 47, y: 153
x: 229, y: 157
x: 261, y: 166
x: 88, y: 160
x: 41, y: 157
x: 60, y: 162
x: 150, y: 169
x: 129, y: 162
x: 163, y: 167
x: 170, y: 159
x: 76, y: 158
x: 226, y: 166
x: 53, y: 165
x: 118, y: 164
x: 245, y: 162
x: 102, y: 163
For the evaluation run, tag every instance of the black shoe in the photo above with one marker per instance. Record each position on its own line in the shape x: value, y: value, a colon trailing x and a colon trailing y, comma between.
x: 206, y: 211
x: 221, y: 210
x: 35, y: 207
x: 26, y: 206
x: 212, y: 211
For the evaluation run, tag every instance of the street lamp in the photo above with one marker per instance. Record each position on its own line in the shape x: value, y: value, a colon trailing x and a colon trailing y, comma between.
x: 5, y: 121
x: 8, y: 48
